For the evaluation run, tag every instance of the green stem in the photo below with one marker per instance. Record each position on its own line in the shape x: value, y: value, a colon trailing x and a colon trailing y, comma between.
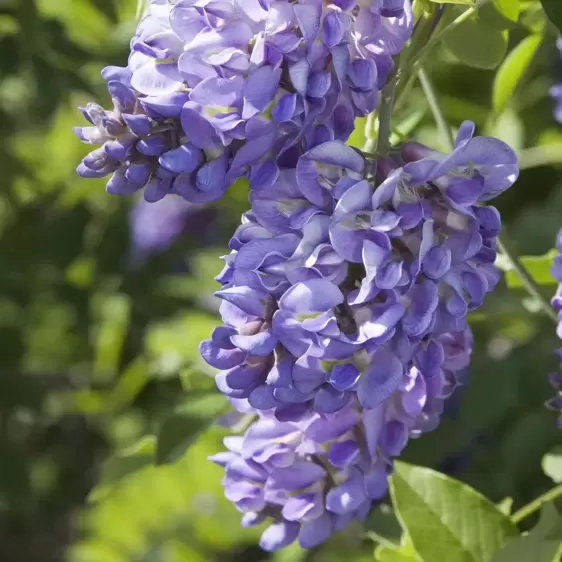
x: 528, y: 282
x: 385, y: 116
x: 430, y: 94
x: 514, y: 262
x: 536, y: 504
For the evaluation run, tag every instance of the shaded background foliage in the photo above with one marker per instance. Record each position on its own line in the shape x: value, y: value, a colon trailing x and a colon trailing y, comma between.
x: 99, y: 336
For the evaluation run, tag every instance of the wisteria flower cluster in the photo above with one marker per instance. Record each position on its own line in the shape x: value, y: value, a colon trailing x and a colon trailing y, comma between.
x: 215, y: 90
x: 347, y: 289
x: 556, y: 378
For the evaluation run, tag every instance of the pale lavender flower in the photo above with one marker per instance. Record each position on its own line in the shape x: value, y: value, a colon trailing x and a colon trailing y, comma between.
x: 310, y: 478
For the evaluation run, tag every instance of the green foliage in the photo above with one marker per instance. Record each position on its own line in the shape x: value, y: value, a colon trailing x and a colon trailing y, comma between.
x: 512, y: 70
x: 552, y: 464
x: 541, y: 544
x: 475, y: 44
x: 446, y: 519
x: 537, y: 266
x: 553, y: 10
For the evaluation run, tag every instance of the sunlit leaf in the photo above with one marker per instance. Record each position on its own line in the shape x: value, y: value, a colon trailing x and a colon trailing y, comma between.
x: 512, y: 70
x: 538, y: 267
x: 552, y: 464
x: 446, y: 519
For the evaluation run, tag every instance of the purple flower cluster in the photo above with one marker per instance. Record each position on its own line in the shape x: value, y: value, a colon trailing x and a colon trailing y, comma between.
x: 556, y: 378
x: 556, y: 91
x: 310, y: 478
x: 345, y: 296
x: 215, y: 90
x: 334, y: 289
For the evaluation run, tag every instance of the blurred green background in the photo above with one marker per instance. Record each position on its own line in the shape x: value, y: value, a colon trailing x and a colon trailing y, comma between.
x: 102, y: 310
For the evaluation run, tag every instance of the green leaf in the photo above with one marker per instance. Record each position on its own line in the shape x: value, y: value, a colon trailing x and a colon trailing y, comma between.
x: 512, y: 70
x: 383, y: 527
x: 477, y: 45
x: 446, y: 519
x: 539, y: 545
x: 465, y: 2
x: 553, y: 9
x: 182, y: 428
x: 552, y: 464
x: 509, y: 9
x: 124, y: 464
x: 538, y: 267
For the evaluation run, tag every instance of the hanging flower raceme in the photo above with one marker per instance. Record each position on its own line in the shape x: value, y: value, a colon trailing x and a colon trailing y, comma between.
x: 556, y: 378
x: 556, y: 91
x: 334, y: 289
x: 215, y: 90
x: 312, y: 477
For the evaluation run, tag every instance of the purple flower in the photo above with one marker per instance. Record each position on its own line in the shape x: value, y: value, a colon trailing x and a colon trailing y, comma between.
x: 335, y: 288
x: 310, y: 478
x: 218, y: 90
x: 556, y: 91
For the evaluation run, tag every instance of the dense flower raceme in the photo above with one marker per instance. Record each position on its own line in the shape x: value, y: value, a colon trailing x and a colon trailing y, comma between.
x: 311, y: 478
x: 556, y: 378
x: 556, y: 91
x: 215, y: 90
x: 335, y: 290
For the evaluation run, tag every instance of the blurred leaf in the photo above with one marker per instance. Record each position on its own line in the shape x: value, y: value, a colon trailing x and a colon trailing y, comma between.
x: 538, y: 267
x: 508, y: 8
x: 477, y: 45
x: 126, y: 462
x: 466, y: 2
x: 446, y: 519
x: 357, y: 137
x: 539, y: 545
x: 552, y: 464
x: 130, y: 384
x: 113, y: 312
x: 106, y: 7
x: 507, y: 127
x: 512, y: 71
x: 181, y: 429
x: 553, y: 9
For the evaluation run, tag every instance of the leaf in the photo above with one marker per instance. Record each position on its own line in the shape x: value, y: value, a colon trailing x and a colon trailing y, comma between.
x: 383, y: 527
x: 553, y: 9
x: 125, y: 463
x: 538, y: 267
x: 552, y: 464
x: 465, y: 2
x: 477, y: 45
x: 512, y: 70
x: 181, y: 429
x: 446, y: 519
x: 403, y: 553
x: 107, y: 8
x: 539, y: 545
x: 509, y: 9
x: 505, y: 506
